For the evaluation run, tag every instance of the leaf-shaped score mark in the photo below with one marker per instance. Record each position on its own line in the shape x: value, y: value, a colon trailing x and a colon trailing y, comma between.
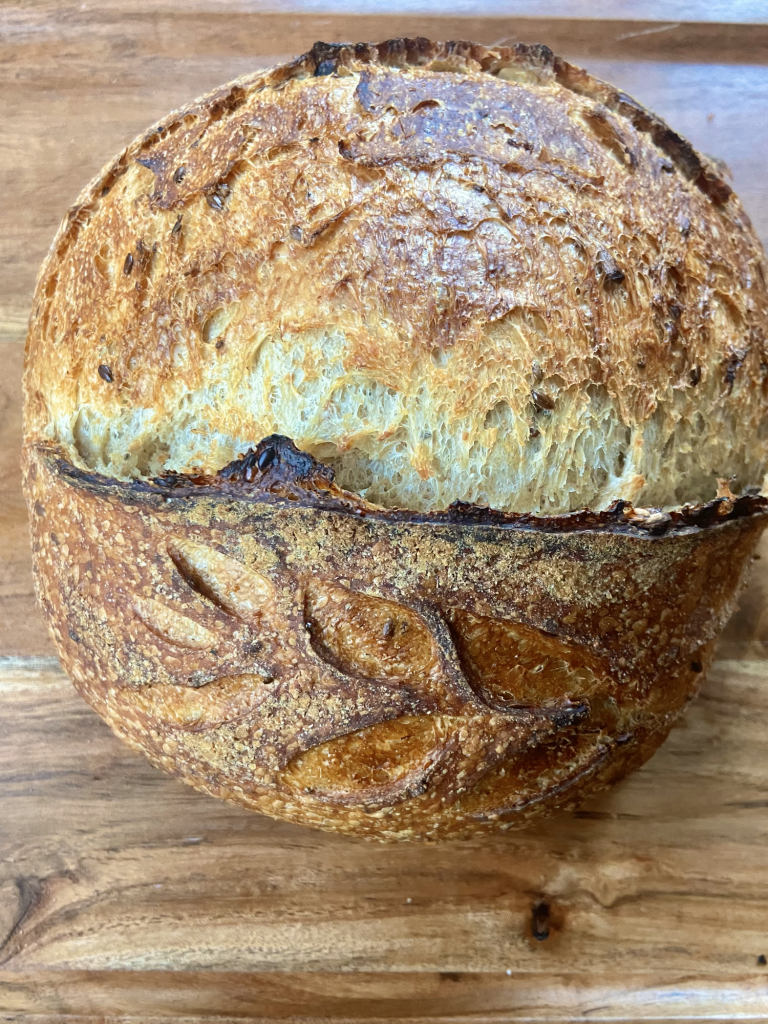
x: 173, y: 626
x: 237, y: 590
x: 184, y: 707
x: 366, y: 636
x: 377, y: 766
x: 511, y: 664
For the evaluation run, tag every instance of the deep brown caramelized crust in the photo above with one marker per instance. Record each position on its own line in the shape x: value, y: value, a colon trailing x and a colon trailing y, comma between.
x: 557, y: 277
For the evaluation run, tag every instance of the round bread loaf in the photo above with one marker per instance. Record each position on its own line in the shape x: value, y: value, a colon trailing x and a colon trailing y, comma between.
x: 449, y: 276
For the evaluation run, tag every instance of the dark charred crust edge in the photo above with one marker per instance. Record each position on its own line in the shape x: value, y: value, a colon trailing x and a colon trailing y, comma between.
x: 276, y: 472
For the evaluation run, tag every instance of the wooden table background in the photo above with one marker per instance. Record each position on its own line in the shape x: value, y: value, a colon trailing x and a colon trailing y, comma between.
x: 123, y: 894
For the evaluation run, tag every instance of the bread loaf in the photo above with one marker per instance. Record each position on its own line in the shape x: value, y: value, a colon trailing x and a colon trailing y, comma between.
x: 385, y: 414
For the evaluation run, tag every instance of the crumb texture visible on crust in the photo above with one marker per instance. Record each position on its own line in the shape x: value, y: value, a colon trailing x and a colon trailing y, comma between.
x: 449, y: 272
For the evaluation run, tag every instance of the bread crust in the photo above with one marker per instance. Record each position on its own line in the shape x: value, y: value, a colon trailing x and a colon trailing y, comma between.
x: 274, y: 639
x: 449, y: 271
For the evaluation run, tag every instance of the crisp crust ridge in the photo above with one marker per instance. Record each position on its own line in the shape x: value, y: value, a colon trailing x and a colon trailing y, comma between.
x: 276, y: 471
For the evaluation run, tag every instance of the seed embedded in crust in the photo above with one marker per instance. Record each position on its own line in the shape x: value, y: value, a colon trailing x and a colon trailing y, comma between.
x: 106, y: 373
x: 128, y: 265
x: 217, y: 198
x: 542, y: 400
x: 609, y: 267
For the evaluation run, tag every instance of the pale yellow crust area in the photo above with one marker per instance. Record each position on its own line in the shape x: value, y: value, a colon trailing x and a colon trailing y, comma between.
x: 448, y: 272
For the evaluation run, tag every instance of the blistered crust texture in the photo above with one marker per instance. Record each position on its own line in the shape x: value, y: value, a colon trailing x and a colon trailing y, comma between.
x: 385, y: 677
x: 449, y: 272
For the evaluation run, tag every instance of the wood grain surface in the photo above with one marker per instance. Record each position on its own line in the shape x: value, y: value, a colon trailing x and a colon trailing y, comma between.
x: 124, y: 894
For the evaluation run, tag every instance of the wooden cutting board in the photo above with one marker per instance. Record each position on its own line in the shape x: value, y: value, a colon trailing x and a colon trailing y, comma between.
x: 124, y: 894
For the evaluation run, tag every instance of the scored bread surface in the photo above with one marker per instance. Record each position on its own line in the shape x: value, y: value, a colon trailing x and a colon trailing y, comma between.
x: 448, y: 272
x: 268, y: 640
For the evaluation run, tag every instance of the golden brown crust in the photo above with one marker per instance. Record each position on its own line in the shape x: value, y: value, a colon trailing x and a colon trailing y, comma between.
x: 582, y: 269
x: 390, y: 678
x: 274, y: 639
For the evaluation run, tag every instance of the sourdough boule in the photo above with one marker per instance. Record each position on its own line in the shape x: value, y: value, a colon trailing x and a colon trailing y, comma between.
x: 385, y: 417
